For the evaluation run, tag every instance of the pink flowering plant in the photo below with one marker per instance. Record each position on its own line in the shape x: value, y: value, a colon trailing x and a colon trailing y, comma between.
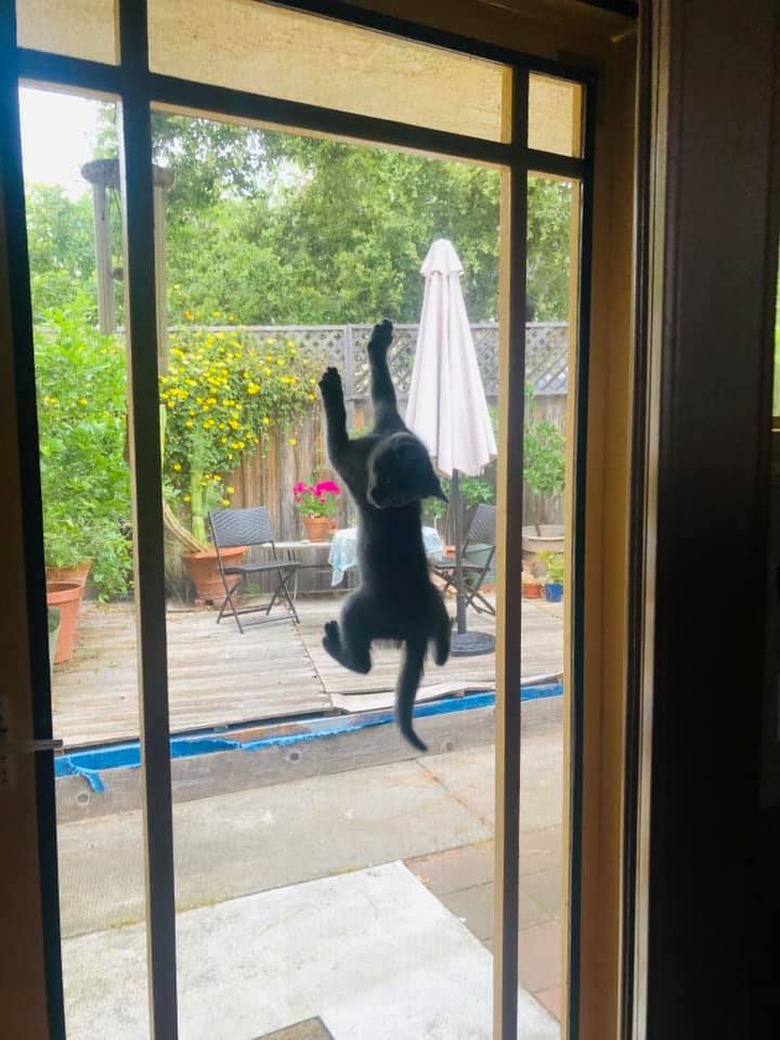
x: 313, y: 500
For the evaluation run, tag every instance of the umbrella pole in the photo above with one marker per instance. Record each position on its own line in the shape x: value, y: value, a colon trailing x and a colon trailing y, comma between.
x: 463, y: 643
x: 458, y: 537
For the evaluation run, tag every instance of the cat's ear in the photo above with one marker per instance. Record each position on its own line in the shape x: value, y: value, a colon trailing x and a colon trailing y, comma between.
x: 436, y: 489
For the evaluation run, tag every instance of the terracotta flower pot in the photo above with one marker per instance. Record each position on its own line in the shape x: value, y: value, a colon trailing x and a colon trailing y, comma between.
x: 318, y: 528
x: 203, y: 570
x: 53, y: 624
x: 79, y: 573
x: 66, y: 596
x: 532, y: 591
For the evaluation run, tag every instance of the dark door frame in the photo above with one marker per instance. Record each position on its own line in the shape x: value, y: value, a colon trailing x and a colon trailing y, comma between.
x: 137, y: 89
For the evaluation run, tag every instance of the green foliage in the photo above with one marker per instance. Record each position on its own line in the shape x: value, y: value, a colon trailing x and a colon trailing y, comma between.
x: 82, y: 407
x: 61, y: 244
x: 549, y: 219
x: 279, y: 229
x: 544, y: 453
x: 473, y: 490
x: 305, y: 231
x: 554, y: 564
x: 224, y: 394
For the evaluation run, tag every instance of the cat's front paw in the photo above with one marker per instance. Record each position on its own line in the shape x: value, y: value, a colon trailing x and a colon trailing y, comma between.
x: 330, y: 384
x: 381, y: 336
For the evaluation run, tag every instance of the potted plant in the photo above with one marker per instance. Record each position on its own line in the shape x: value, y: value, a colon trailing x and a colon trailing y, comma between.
x: 64, y: 597
x: 224, y: 394
x: 544, y: 452
x: 317, y: 505
x: 532, y: 586
x: 53, y: 615
x: 553, y: 586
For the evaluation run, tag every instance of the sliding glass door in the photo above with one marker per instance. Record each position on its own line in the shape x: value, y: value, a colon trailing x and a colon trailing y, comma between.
x: 241, y: 829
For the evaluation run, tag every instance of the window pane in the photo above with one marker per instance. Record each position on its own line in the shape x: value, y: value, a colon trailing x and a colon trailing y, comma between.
x: 551, y: 338
x: 555, y: 115
x: 295, y: 56
x: 75, y: 243
x: 78, y: 28
x: 366, y: 866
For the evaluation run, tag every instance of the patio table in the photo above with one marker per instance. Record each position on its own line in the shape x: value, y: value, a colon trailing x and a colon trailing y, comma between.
x: 343, y: 550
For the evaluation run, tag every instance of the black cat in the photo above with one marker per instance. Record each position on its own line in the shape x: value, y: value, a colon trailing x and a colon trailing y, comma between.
x: 388, y: 473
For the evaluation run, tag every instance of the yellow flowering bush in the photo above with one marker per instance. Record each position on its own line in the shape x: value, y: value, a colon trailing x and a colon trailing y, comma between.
x: 224, y: 394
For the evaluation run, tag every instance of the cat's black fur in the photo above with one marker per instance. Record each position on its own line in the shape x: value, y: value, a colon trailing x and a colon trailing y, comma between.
x: 388, y: 473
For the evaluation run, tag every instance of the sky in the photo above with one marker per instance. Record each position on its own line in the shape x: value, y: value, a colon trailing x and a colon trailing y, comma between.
x: 58, y: 136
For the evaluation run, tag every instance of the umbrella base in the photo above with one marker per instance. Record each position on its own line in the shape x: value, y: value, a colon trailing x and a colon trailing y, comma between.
x: 470, y: 644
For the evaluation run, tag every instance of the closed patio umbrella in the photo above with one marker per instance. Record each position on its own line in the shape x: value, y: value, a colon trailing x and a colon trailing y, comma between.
x: 447, y: 407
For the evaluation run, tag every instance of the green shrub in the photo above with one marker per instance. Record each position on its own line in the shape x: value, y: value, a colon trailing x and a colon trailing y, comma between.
x: 82, y: 410
x: 225, y: 394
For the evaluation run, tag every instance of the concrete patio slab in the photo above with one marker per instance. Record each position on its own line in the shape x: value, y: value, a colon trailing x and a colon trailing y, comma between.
x: 257, y: 839
x: 372, y: 953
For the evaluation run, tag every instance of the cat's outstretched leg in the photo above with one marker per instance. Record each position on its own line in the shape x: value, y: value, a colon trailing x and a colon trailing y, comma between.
x: 335, y: 414
x: 441, y: 635
x: 386, y: 415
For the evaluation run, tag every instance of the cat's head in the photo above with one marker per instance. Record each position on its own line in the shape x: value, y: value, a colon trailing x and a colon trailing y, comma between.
x: 400, y: 472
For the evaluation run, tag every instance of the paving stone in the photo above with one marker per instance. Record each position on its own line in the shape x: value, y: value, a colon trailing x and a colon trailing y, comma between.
x: 545, y: 887
x: 541, y: 956
x: 455, y: 868
x: 474, y: 907
x: 552, y: 999
x: 541, y: 849
x: 311, y: 1029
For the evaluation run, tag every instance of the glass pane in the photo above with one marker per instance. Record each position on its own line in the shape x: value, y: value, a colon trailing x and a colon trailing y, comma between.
x: 551, y: 338
x: 300, y: 812
x: 82, y: 410
x: 271, y: 50
x: 555, y: 115
x: 78, y: 28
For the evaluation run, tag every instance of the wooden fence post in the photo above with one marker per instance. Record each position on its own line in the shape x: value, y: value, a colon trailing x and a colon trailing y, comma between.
x: 348, y: 370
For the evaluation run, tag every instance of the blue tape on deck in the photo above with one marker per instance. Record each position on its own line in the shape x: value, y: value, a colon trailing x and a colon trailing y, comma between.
x: 90, y: 763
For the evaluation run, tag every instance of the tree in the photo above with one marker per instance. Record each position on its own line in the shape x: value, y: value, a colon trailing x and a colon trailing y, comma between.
x: 278, y: 228
x: 61, y: 245
x: 549, y: 224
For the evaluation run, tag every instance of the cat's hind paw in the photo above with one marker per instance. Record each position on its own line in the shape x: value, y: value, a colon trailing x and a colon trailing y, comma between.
x: 331, y: 640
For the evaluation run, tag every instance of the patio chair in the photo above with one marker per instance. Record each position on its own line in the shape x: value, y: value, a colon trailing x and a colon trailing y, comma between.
x: 251, y: 527
x: 477, y: 553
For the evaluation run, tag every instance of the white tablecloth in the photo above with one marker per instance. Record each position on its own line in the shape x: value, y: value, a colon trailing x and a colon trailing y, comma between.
x: 343, y: 550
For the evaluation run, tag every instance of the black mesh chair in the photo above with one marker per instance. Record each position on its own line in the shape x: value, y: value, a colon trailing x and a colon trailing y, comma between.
x: 231, y: 527
x: 480, y: 539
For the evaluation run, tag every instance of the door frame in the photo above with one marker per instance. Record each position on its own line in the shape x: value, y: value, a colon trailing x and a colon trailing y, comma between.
x: 137, y: 89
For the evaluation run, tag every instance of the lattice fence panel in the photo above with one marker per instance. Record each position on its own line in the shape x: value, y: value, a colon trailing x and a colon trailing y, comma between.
x: 547, y: 349
x: 345, y: 347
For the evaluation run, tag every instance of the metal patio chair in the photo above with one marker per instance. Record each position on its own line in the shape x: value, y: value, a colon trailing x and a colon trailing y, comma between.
x: 251, y: 527
x: 481, y: 538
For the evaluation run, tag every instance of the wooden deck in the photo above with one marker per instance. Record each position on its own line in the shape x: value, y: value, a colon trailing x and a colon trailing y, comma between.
x: 218, y: 677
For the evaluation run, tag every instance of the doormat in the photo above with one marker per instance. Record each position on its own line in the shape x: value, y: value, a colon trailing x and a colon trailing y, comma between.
x: 311, y: 1029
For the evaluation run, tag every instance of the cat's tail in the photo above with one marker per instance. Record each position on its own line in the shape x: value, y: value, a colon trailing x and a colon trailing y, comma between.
x: 406, y: 690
